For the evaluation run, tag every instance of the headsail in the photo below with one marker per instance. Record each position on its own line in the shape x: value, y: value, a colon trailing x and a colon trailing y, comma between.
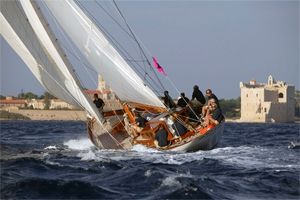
x: 101, y: 54
x: 24, y: 29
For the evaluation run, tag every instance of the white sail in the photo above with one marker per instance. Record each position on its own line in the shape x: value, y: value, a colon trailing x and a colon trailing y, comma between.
x: 101, y: 54
x: 23, y: 29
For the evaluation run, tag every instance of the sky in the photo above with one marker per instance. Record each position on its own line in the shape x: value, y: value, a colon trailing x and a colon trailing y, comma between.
x: 213, y: 44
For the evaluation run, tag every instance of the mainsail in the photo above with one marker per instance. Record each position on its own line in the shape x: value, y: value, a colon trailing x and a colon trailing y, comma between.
x: 25, y: 30
x: 101, y: 55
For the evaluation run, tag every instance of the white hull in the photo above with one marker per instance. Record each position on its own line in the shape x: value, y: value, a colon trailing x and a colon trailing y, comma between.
x: 205, y: 142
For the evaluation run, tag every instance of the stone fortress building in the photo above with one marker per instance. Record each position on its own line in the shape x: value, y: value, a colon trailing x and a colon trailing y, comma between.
x: 271, y: 102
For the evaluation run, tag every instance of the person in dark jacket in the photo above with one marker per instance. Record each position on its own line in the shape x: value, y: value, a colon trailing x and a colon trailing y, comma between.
x: 168, y: 101
x: 183, y: 101
x: 161, y: 138
x: 99, y: 103
x: 197, y: 94
x: 211, y: 95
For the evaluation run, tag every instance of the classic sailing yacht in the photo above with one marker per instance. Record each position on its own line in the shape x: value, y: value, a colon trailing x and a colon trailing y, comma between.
x: 25, y: 27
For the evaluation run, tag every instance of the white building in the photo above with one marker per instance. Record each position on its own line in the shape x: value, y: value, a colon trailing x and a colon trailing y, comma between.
x: 271, y: 102
x: 57, y: 104
x: 36, y: 104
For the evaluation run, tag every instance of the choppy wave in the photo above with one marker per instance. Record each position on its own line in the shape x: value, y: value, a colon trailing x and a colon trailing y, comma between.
x: 252, y: 162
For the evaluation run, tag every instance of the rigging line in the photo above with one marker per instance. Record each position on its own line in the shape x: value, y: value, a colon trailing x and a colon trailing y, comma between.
x: 141, y: 61
x: 179, y: 94
x: 118, y: 45
x: 79, y: 59
x: 148, y: 52
x: 131, y: 36
x: 142, y: 44
x: 184, y: 123
x: 113, y: 19
x: 119, y: 11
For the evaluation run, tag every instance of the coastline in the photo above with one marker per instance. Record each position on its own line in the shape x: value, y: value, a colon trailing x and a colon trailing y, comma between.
x: 64, y: 115
x: 73, y: 115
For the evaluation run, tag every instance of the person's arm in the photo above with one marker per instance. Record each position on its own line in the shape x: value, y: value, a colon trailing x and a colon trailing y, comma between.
x: 193, y: 95
x: 212, y: 120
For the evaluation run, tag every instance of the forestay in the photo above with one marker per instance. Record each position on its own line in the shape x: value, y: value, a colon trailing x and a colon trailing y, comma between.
x: 22, y: 27
x: 101, y: 54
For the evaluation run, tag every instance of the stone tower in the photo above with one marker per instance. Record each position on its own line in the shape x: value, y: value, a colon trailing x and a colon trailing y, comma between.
x: 271, y: 102
x: 105, y: 90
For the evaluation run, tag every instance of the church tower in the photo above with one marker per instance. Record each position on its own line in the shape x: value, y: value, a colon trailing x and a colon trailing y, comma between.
x: 101, y: 84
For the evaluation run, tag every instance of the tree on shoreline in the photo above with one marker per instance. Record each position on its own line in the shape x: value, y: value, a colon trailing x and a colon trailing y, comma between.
x: 47, y: 98
x: 231, y: 108
x: 27, y: 95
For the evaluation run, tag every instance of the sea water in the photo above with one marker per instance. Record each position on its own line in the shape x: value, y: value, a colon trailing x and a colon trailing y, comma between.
x: 56, y: 160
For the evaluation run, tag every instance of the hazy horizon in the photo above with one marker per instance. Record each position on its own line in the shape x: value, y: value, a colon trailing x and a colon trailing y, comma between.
x: 214, y: 44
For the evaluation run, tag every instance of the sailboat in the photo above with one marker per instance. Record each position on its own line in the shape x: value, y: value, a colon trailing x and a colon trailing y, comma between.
x: 26, y: 28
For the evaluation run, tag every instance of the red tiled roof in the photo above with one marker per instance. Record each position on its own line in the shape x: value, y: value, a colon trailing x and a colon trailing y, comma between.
x: 92, y: 91
x: 97, y: 91
x: 13, y: 101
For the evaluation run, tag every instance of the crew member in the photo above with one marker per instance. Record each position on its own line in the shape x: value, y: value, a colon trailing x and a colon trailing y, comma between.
x: 99, y: 103
x: 197, y: 94
x: 183, y: 101
x: 168, y: 101
x: 211, y: 95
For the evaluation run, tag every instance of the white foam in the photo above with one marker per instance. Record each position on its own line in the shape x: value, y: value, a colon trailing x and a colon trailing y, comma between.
x: 80, y: 144
x: 170, y: 181
x: 251, y: 157
x: 90, y: 155
x: 51, y: 147
x: 146, y: 156
x: 242, y: 156
x: 148, y: 173
x: 53, y: 163
x: 142, y: 148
